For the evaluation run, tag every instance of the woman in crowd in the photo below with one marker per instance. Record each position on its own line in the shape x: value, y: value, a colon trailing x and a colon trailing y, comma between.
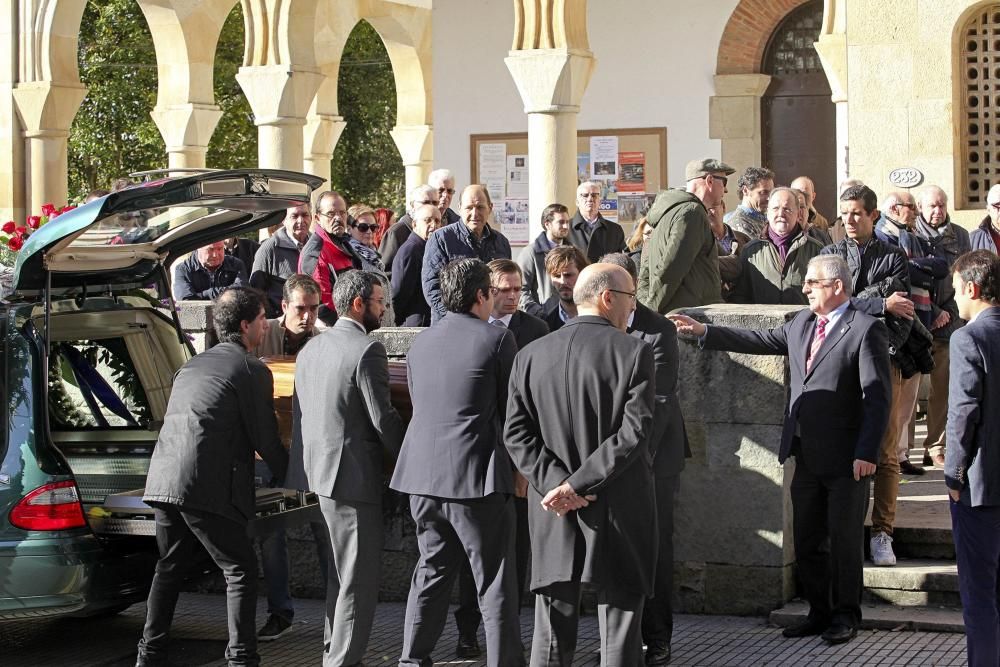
x: 361, y: 227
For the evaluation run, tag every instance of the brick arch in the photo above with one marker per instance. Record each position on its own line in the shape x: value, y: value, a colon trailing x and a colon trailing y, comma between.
x: 745, y: 38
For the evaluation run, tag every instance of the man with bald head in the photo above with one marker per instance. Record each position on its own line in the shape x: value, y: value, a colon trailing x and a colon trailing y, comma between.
x: 806, y: 185
x: 948, y: 241
x: 987, y: 235
x: 596, y: 458
x: 411, y: 309
x: 472, y: 237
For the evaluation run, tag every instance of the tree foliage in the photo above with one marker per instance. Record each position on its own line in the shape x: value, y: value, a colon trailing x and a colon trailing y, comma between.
x: 234, y: 142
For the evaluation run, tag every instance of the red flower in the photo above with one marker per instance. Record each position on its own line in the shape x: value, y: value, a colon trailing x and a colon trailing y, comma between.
x: 64, y: 209
x: 20, y: 231
x: 15, y: 242
x: 48, y: 210
x: 8, y: 227
x: 34, y: 221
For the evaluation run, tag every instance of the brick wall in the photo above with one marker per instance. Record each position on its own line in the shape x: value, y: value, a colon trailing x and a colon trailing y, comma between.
x: 741, y: 50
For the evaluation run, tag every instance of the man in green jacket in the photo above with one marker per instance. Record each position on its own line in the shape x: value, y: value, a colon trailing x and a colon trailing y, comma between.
x: 680, y: 262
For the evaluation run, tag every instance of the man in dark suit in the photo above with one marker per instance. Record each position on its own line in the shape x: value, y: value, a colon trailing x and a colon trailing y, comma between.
x: 200, y: 480
x: 505, y: 276
x: 454, y: 466
x: 972, y: 467
x: 344, y: 431
x: 837, y: 414
x: 409, y: 305
x: 395, y: 236
x: 589, y: 231
x: 563, y: 264
x: 669, y: 445
x: 579, y: 420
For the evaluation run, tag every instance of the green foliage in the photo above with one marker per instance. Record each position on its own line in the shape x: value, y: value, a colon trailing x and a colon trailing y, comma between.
x: 366, y: 164
x: 234, y: 142
x: 113, y: 133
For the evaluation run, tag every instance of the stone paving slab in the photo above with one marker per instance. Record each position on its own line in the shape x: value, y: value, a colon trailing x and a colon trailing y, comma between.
x: 199, y: 638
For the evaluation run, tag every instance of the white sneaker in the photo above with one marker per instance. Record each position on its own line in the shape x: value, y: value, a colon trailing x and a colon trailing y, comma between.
x: 882, y: 554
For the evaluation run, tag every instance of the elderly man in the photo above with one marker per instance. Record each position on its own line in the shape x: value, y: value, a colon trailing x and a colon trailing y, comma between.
x: 471, y: 237
x: 987, y: 235
x: 589, y: 231
x: 455, y: 469
x: 563, y: 266
x: 775, y: 264
x: 395, y: 236
x: 680, y: 262
x: 443, y: 181
x: 896, y: 228
x: 755, y: 187
x: 597, y: 458
x: 836, y: 415
x: 200, y: 480
x: 816, y: 221
x: 345, y: 433
x: 329, y: 251
x: 278, y: 256
x: 537, y: 287
x: 411, y: 309
x: 206, y: 273
x: 948, y: 241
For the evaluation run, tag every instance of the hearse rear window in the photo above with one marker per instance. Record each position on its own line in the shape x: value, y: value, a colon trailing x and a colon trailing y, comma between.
x: 142, y: 226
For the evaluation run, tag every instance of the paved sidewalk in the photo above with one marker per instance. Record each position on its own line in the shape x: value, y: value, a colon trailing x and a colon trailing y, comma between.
x: 199, y: 638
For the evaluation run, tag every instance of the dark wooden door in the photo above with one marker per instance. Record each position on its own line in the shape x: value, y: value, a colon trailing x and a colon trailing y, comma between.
x: 799, y: 119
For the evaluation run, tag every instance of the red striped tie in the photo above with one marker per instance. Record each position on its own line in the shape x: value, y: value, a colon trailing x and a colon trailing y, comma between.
x: 818, y: 337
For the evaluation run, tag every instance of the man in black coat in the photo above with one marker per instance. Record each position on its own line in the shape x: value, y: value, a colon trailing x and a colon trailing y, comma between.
x: 454, y: 466
x: 200, y: 480
x: 409, y: 305
x: 395, y: 236
x: 589, y: 231
x: 669, y: 445
x: 579, y: 421
x: 837, y: 412
x: 563, y: 266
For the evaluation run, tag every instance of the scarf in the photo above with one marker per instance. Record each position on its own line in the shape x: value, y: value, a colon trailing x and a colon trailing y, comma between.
x: 783, y: 243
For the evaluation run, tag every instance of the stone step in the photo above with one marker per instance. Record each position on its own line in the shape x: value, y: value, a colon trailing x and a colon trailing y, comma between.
x: 913, y: 583
x: 880, y: 616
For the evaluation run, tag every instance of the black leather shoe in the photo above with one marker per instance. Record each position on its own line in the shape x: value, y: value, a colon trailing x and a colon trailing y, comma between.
x: 908, y: 468
x: 838, y: 633
x: 806, y: 628
x: 657, y: 654
x: 468, y: 647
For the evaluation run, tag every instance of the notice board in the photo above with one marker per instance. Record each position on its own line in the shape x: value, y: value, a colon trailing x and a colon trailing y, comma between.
x: 629, y: 163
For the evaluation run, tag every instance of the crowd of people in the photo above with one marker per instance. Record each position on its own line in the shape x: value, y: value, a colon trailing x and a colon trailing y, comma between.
x: 563, y: 440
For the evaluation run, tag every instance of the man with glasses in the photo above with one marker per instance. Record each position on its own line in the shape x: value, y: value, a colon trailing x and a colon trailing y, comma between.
x: 680, y: 262
x: 443, y: 181
x: 835, y: 419
x: 579, y: 423
x: 987, y: 235
x: 409, y: 304
x: 395, y: 236
x: 278, y: 257
x: 328, y: 251
x: 589, y: 230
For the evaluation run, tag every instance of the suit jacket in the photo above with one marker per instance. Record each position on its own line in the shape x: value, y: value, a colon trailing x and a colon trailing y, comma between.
x: 407, y: 294
x: 457, y: 372
x: 972, y: 458
x: 344, y: 427
x: 607, y: 237
x: 537, y: 286
x: 221, y: 410
x: 838, y: 411
x: 581, y: 411
x: 526, y: 328
x: 669, y: 442
x: 550, y: 313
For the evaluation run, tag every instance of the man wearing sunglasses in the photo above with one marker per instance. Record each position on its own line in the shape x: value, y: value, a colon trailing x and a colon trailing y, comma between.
x: 680, y: 262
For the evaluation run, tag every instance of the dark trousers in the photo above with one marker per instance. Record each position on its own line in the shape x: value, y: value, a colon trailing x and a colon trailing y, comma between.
x: 449, y: 532
x: 467, y: 616
x: 828, y: 514
x: 557, y: 615
x: 178, y: 535
x: 976, y: 531
x: 658, y: 615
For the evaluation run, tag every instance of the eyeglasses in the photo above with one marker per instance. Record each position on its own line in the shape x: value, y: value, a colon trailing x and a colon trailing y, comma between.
x: 427, y: 202
x: 590, y: 195
x: 618, y: 291
x: 813, y: 283
x: 995, y: 206
x: 444, y: 191
x: 329, y: 215
x: 365, y: 227
x: 724, y: 179
x: 912, y: 207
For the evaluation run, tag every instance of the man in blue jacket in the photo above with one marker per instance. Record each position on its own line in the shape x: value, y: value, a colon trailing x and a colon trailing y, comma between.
x: 206, y: 273
x: 972, y: 466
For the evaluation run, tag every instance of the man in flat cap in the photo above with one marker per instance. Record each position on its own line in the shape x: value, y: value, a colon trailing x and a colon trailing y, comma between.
x: 680, y: 261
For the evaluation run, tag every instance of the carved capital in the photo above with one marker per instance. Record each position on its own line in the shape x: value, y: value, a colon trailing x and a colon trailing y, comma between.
x: 550, y: 80
x: 279, y: 94
x: 46, y: 106
x: 321, y: 134
x: 185, y: 126
x: 415, y: 143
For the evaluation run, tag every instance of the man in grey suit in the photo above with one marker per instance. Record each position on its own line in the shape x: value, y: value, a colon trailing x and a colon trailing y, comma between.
x: 579, y: 420
x: 972, y: 467
x: 837, y: 413
x: 344, y: 431
x: 454, y: 466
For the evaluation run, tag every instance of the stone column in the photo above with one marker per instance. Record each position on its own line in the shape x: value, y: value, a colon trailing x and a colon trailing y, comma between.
x: 551, y: 83
x: 416, y: 147
x: 46, y: 110
x: 321, y: 134
x: 186, y: 129
x: 734, y: 117
x: 280, y: 97
x: 832, y: 51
